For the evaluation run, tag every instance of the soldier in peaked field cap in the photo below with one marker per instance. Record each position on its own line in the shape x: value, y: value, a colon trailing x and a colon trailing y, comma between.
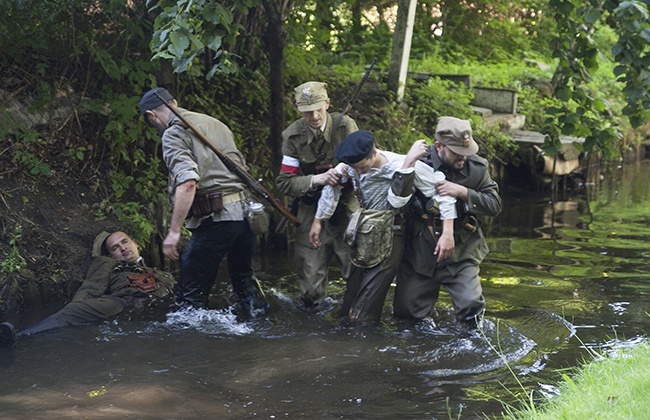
x: 308, y: 161
x: 116, y: 281
x: 457, y: 135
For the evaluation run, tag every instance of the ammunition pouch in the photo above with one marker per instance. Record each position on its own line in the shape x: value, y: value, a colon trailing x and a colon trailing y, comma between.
x: 145, y: 282
x: 206, y: 203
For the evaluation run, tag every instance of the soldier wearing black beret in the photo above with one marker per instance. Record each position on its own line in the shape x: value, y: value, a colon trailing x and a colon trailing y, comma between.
x: 384, y: 184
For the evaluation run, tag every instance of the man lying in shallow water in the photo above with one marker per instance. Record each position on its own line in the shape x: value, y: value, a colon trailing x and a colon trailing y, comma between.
x: 117, y: 280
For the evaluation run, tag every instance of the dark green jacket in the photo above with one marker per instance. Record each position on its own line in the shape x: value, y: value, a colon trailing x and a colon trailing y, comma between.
x: 482, y: 200
x: 107, y: 276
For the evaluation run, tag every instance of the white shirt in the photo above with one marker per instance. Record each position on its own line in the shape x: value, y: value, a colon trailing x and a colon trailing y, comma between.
x: 375, y: 186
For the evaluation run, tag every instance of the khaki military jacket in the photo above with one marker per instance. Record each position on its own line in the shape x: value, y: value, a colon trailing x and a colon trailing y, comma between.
x: 188, y: 158
x: 300, y: 142
x: 107, y: 276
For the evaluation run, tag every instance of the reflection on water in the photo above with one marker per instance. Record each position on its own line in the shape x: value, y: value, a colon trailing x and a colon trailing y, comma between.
x: 563, y: 275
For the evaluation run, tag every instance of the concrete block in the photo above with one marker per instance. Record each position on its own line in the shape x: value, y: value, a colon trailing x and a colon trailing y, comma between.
x: 460, y: 79
x: 483, y: 112
x: 498, y: 100
x: 507, y: 122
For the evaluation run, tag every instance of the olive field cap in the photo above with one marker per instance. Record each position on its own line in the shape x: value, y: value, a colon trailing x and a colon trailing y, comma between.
x: 150, y: 101
x: 99, y: 244
x: 311, y: 96
x: 355, y: 147
x: 456, y: 134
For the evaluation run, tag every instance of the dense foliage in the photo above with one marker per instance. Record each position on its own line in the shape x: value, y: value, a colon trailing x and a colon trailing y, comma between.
x: 239, y: 61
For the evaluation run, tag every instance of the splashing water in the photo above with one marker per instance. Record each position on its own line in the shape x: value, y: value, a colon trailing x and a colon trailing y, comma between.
x: 209, y: 321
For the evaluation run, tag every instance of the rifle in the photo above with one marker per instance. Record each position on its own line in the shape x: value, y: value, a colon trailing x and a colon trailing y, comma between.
x: 357, y: 90
x: 256, y: 188
x: 348, y: 105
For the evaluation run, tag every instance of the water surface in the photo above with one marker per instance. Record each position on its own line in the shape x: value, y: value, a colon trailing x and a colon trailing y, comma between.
x: 565, y: 274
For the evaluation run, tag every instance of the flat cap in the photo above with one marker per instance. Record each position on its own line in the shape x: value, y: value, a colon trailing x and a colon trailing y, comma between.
x: 311, y: 96
x: 456, y: 134
x: 150, y: 101
x: 355, y: 147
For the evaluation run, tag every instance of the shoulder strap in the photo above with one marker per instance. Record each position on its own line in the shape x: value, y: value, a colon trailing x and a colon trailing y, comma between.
x: 356, y: 183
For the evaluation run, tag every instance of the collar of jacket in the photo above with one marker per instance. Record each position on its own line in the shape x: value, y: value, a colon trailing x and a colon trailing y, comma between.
x: 327, y: 132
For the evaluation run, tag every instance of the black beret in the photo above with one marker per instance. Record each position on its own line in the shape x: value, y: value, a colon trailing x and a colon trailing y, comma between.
x: 150, y: 101
x: 355, y: 147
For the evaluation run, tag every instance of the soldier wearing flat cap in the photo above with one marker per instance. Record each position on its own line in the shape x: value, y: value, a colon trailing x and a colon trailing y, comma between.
x: 308, y: 158
x: 384, y: 183
x: 212, y: 202
x: 420, y: 277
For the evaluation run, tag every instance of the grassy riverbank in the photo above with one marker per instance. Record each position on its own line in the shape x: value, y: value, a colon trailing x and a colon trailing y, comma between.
x: 616, y: 387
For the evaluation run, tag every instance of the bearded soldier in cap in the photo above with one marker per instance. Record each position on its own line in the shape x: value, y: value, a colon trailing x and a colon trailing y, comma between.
x: 467, y: 179
x: 308, y: 147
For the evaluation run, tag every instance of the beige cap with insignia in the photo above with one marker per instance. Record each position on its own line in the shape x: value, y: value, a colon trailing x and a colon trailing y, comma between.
x: 311, y: 96
x: 456, y: 134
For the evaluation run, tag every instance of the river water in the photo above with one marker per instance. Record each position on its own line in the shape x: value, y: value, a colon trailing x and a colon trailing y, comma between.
x: 566, y: 275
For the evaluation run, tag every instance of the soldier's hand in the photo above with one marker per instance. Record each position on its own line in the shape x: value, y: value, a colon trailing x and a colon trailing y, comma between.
x: 445, y: 246
x: 170, y: 245
x: 451, y: 189
x: 331, y: 177
x: 314, y: 233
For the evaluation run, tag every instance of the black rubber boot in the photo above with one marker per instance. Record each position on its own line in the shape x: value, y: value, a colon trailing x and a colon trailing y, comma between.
x: 252, y: 301
x: 7, y: 335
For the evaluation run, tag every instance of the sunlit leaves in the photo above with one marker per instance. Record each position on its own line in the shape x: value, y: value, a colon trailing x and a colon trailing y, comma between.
x: 581, y: 113
x: 185, y: 30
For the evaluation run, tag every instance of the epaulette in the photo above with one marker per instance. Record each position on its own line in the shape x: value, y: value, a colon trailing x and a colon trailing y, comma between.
x: 478, y: 159
x: 295, y: 129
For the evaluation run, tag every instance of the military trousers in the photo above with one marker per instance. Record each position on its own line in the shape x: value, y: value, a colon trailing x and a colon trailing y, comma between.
x: 416, y: 294
x: 209, y: 244
x: 312, y: 263
x: 367, y: 288
x: 79, y: 312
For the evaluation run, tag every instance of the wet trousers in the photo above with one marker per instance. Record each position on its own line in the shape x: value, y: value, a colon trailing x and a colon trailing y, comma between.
x: 313, y: 263
x: 210, y: 243
x: 367, y: 288
x: 80, y: 312
x: 416, y: 294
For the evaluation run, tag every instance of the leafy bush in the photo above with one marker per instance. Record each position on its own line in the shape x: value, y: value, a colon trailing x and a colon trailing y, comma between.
x: 12, y: 261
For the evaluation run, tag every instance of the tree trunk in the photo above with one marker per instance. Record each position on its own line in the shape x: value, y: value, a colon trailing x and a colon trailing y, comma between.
x: 275, y: 40
x: 401, y: 47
